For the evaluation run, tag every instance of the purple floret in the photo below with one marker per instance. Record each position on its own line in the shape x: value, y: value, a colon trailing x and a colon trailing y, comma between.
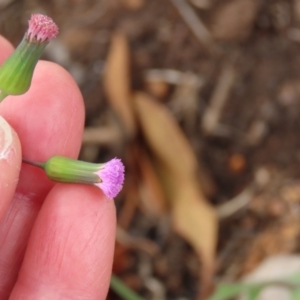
x: 112, y: 177
x: 41, y: 28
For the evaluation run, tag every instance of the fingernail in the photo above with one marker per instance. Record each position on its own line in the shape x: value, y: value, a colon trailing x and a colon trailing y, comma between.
x: 6, y: 138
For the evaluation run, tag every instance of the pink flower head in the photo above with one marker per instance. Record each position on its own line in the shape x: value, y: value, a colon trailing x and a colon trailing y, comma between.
x: 41, y: 28
x: 111, y: 175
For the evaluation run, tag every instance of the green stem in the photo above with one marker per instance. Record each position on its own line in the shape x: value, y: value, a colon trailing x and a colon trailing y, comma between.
x: 33, y: 163
x: 122, y: 290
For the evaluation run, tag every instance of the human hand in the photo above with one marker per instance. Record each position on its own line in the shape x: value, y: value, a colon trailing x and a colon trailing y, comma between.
x: 56, y: 240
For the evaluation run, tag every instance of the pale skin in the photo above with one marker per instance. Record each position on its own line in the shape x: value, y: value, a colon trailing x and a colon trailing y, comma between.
x: 56, y: 240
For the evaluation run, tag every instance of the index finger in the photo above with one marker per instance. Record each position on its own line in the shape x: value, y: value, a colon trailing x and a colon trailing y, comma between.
x: 49, y: 120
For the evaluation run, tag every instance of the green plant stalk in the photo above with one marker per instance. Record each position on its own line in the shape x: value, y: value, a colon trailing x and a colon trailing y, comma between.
x: 122, y: 290
x: 64, y: 169
x: 16, y: 72
x: 228, y: 291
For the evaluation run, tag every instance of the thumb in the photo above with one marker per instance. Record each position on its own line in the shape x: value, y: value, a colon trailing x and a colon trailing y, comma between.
x: 10, y: 164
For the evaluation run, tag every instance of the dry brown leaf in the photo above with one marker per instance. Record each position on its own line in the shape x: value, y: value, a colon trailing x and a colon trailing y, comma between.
x: 152, y: 193
x: 193, y: 217
x: 195, y: 220
x: 167, y: 140
x: 133, y: 4
x: 117, y: 82
x: 234, y: 19
x: 164, y: 135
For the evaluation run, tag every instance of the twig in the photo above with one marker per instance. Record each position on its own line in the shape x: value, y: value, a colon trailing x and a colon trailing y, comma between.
x: 170, y: 76
x: 143, y: 244
x: 185, y: 100
x: 212, y: 114
x: 235, y: 204
x: 101, y: 136
x: 261, y: 180
x: 195, y: 24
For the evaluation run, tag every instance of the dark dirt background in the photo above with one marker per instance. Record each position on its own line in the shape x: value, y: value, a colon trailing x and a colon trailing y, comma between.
x: 254, y: 147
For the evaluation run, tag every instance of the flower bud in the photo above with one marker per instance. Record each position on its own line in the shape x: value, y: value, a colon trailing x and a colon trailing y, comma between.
x: 109, y: 177
x: 16, y: 72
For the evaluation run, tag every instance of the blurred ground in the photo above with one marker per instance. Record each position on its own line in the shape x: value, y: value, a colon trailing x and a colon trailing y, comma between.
x: 228, y: 71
